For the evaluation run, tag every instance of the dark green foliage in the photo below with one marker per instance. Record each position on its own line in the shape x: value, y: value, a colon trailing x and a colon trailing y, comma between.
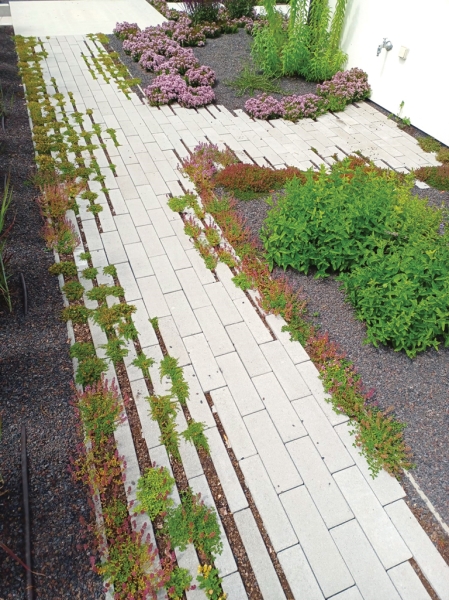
x: 73, y: 290
x: 193, y: 522
x: 143, y: 363
x: 110, y: 270
x: 153, y: 490
x: 195, y: 434
x: 90, y: 370
x: 66, y: 268
x: 179, y: 387
x: 115, y: 350
x: 76, y: 314
x: 90, y: 273
x: 240, y: 8
x: 250, y: 80
x: 81, y: 350
x: 101, y: 292
x: 163, y: 410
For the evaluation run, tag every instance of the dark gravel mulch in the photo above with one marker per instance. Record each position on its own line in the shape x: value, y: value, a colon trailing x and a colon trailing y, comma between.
x: 418, y: 389
x: 226, y: 55
x: 35, y: 388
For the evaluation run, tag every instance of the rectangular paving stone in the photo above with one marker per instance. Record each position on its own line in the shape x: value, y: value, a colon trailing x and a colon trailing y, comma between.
x: 93, y: 237
x: 379, y: 530
x: 161, y: 386
x: 147, y: 335
x: 193, y: 288
x: 175, y: 253
x: 239, y: 383
x: 222, y: 303
x: 153, y: 297
x: 182, y: 314
x: 160, y: 223
x: 284, y: 369
x: 113, y: 247
x: 273, y: 515
x: 138, y: 212
x: 138, y: 260
x: 430, y: 561
x: 148, y: 197
x: 126, y: 229
x: 280, y: 467
x: 213, y: 330
x: 253, y: 320
x: 294, y: 349
x: 257, y: 552
x: 369, y: 575
x: 325, y: 560
x: 248, y: 349
x: 127, y: 187
x: 106, y: 219
x: 224, y: 562
x: 150, y: 241
x: 310, y: 374
x: 172, y: 340
x: 324, y: 491
x: 204, y: 274
x: 299, y: 575
x: 128, y: 282
x: 349, y: 594
x: 178, y: 228
x: 150, y: 428
x: 407, y: 582
x: 327, y: 442
x: 386, y: 487
x: 279, y: 407
x: 196, y: 402
x: 233, y: 586
x: 189, y: 456
x: 225, y: 275
x: 205, y: 366
x: 165, y: 274
x: 234, y: 426
x: 225, y: 471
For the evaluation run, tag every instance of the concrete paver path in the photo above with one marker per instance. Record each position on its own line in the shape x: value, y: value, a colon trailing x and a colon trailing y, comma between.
x: 337, y: 533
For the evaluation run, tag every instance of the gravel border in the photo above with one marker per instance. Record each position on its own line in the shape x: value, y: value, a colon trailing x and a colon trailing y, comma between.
x: 35, y: 388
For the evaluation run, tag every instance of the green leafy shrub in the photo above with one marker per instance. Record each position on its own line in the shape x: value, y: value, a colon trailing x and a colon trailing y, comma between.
x: 195, y: 434
x: 73, y: 290
x: 194, y: 522
x: 76, y: 314
x: 443, y: 155
x: 429, y: 144
x: 436, y: 177
x: 179, y: 582
x: 330, y: 221
x: 65, y: 267
x: 240, y: 8
x: 242, y: 281
x: 249, y: 181
x: 90, y: 370
x: 86, y: 256
x: 110, y: 270
x: 178, y: 203
x: 153, y: 490
x: 115, y: 350
x: 107, y: 317
x: 402, y: 294
x: 143, y: 363
x: 212, y: 235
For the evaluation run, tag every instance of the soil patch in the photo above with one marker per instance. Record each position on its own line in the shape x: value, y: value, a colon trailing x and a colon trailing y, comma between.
x: 35, y: 387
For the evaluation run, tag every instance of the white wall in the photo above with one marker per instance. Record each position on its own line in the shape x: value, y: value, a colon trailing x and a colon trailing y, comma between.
x: 422, y: 80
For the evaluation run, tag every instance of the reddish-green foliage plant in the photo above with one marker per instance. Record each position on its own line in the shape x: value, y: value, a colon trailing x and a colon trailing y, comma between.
x: 436, y: 177
x: 247, y: 181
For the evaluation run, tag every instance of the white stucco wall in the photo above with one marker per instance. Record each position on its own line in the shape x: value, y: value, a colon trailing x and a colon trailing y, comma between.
x: 422, y: 80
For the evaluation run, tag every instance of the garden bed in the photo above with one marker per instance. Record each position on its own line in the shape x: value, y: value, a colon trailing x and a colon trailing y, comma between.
x: 226, y: 55
x: 36, y: 375
x: 417, y: 389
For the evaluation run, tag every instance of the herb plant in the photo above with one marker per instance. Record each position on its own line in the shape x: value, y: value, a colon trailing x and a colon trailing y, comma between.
x: 153, y: 490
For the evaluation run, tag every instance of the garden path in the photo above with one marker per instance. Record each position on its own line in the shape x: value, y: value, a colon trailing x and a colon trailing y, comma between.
x: 337, y: 533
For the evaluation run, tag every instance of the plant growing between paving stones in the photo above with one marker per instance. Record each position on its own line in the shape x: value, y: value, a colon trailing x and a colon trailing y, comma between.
x: 169, y: 367
x: 153, y: 492
x: 144, y: 363
x: 179, y: 583
x: 163, y: 410
x: 195, y: 434
x: 378, y: 434
x: 210, y: 581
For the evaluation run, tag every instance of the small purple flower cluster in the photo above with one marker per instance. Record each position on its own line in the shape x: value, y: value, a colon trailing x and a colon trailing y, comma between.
x: 203, y: 75
x: 125, y: 29
x: 349, y: 85
x: 345, y: 87
x: 173, y: 88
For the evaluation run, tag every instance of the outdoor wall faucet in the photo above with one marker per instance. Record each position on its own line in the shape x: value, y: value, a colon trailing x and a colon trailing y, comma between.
x: 385, y: 44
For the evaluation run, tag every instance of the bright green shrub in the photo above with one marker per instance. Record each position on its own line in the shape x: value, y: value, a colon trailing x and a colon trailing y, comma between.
x: 443, y: 155
x: 402, y: 294
x: 153, y: 490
